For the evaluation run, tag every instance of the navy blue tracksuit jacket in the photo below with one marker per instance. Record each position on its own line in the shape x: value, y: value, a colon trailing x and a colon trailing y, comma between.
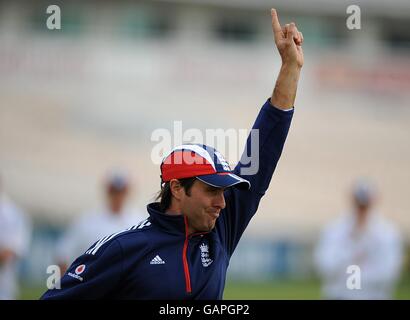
x: 156, y: 259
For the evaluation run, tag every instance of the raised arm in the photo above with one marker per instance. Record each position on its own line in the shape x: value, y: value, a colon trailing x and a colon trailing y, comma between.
x: 289, y: 41
x: 271, y: 126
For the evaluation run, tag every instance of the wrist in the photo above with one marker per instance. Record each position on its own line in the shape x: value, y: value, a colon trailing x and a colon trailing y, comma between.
x: 284, y: 93
x: 291, y: 67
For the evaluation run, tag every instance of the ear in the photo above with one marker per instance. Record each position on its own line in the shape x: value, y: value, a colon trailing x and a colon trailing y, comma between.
x: 177, y: 190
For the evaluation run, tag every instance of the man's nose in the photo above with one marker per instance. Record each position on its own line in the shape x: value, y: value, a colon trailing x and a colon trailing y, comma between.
x: 219, y: 200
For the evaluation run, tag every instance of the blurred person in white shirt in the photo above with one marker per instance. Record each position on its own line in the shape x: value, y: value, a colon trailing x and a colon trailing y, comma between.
x: 363, y: 238
x: 15, y: 234
x: 113, y: 216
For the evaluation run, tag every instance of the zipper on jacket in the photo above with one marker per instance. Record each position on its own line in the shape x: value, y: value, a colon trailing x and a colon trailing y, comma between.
x: 184, y: 259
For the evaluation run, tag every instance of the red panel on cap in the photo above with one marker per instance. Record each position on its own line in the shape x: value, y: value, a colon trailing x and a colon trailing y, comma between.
x: 185, y: 164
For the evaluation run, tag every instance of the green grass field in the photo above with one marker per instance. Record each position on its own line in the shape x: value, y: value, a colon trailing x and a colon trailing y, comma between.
x: 273, y: 290
x: 290, y: 290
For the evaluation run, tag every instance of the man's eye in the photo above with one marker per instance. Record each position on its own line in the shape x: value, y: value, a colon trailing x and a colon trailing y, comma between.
x: 214, y: 190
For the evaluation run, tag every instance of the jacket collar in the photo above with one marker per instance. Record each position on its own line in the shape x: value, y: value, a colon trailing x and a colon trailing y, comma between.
x: 174, y: 224
x: 171, y: 223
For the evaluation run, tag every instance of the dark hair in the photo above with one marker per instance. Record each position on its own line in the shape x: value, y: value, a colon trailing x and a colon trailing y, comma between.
x: 165, y: 195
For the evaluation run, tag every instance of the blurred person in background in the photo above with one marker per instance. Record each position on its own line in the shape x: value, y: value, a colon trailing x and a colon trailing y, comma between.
x: 15, y: 233
x: 113, y: 216
x: 363, y: 238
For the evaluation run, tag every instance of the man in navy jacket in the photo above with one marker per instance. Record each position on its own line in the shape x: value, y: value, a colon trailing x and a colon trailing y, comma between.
x: 182, y: 250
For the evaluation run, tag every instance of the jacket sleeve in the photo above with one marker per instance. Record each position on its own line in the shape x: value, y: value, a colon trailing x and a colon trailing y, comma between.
x: 263, y: 149
x: 99, y: 277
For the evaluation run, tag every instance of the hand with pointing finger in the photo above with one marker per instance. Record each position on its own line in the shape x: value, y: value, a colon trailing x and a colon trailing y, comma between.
x: 288, y: 40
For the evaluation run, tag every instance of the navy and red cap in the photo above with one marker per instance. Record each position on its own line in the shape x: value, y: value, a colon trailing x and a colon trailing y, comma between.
x: 203, y: 162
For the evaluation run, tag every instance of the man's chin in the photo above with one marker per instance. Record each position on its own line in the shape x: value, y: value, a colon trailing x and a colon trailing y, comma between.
x: 208, y: 228
x: 211, y: 227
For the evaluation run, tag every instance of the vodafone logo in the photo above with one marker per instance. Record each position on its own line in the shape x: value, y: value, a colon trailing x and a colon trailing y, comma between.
x: 80, y: 269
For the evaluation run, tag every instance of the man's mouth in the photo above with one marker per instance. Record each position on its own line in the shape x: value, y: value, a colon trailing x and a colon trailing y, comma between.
x: 214, y: 214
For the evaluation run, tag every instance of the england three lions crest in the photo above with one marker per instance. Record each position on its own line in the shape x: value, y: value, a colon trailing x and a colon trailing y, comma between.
x: 206, y: 261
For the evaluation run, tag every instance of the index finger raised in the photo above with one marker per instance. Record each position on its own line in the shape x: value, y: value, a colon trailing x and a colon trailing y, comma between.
x: 277, y: 30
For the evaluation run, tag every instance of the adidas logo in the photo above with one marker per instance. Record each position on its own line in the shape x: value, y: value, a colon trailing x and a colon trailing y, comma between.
x: 157, y: 260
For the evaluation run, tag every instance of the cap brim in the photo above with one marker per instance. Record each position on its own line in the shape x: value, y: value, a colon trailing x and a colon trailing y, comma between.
x: 225, y: 180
